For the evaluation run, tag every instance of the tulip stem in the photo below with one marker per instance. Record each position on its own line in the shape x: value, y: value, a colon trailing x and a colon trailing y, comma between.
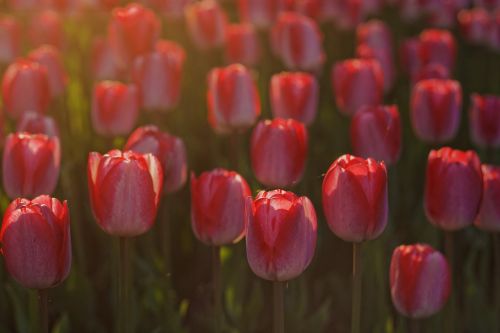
x: 279, y: 309
x: 356, y: 288
x: 123, y: 285
x: 216, y: 280
x: 43, y: 297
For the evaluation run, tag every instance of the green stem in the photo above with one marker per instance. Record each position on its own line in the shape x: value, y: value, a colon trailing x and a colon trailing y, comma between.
x: 216, y: 281
x: 123, y: 285
x: 356, y: 288
x: 43, y: 297
x: 278, y: 308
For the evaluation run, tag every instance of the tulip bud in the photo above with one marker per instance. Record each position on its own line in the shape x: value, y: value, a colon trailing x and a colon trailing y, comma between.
x: 49, y: 57
x: 297, y: 41
x: 261, y: 13
x: 46, y: 27
x: 158, y: 76
x: 169, y: 150
x: 115, y: 108
x: 488, y: 218
x: 384, y: 59
x: 350, y: 13
x: 474, y: 25
x: 438, y: 46
x: 453, y: 188
x: 36, y: 123
x: 31, y: 164
x: 494, y: 32
x: 233, y: 99
x: 218, y: 206
x: 278, y: 151
x: 36, y: 241
x: 242, y: 44
x: 206, y: 22
x: 294, y: 95
x: 355, y: 198
x: 25, y: 87
x: 435, y: 110
x: 104, y: 64
x: 281, y: 234
x: 376, y: 133
x: 410, y: 56
x: 125, y: 189
x: 10, y: 38
x: 430, y: 71
x: 484, y: 116
x: 357, y: 82
x: 420, y: 280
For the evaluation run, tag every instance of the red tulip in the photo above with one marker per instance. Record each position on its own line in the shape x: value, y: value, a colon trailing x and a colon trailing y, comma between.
x: 410, y: 56
x: 49, y: 57
x: 357, y: 82
x: 494, y: 32
x: 281, y: 234
x: 350, y: 13
x: 46, y: 27
x: 36, y: 123
x: 169, y: 149
x: 242, y: 44
x: 218, y: 206
x: 206, y: 22
x: 453, y: 188
x: 133, y: 30
x: 30, y: 164
x: 475, y: 25
x: 10, y: 39
x: 261, y: 13
x: 294, y: 95
x: 36, y: 241
x: 233, y: 99
x: 125, y: 189
x: 297, y: 41
x: 158, y: 76
x: 484, y: 115
x: 25, y: 87
x: 24, y: 5
x: 489, y: 212
x: 103, y: 61
x: 278, y: 151
x: 172, y: 9
x: 420, y: 280
x: 115, y: 108
x: 431, y: 71
x: 376, y: 133
x: 437, y: 46
x: 488, y: 4
x: 355, y: 198
x: 435, y: 109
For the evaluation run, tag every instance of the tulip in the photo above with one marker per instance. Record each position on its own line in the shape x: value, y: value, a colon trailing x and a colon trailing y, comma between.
x: 31, y: 164
x: 25, y: 87
x: 420, y: 280
x: 36, y: 241
x: 24, y: 5
x: 376, y: 133
x: 206, y: 22
x: 242, y: 44
x: 484, y: 115
x: 46, y: 27
x: 437, y: 46
x: 36, y: 123
x: 133, y: 30
x: 357, y: 82
x: 103, y: 61
x: 218, y: 206
x: 297, y: 41
x: 158, y: 76
x: 494, y: 32
x: 430, y: 71
x: 172, y: 9
x: 294, y: 95
x: 488, y: 218
x: 49, y: 57
x: 278, y: 151
x: 350, y: 13
x: 442, y: 14
x: 310, y: 8
x: 435, y: 109
x: 169, y: 150
x: 475, y: 25
x: 261, y: 13
x: 488, y: 4
x: 410, y: 56
x: 233, y: 99
x: 453, y: 188
x: 125, y: 189
x: 115, y: 108
x: 384, y: 58
x: 10, y: 37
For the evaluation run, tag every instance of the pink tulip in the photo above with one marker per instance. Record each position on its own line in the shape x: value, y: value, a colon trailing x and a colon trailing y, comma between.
x: 437, y: 46
x: 484, y: 120
x: 488, y: 218
x: 430, y: 71
x: 494, y: 32
x: 242, y: 44
x: 261, y: 13
x: 46, y: 27
x: 10, y: 39
x: 49, y: 57
x: 104, y: 64
x: 475, y: 25
x: 36, y: 123
x: 206, y: 22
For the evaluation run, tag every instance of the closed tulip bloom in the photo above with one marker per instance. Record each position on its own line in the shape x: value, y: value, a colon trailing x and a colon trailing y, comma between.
x: 125, y: 189
x: 233, y: 99
x: 218, y: 206
x: 10, y: 38
x: 297, y: 41
x: 484, y: 120
x: 355, y: 198
x: 494, y: 32
x: 453, y: 188
x: 172, y: 9
x: 435, y: 109
x: 206, y: 23
x: 294, y: 95
x: 31, y: 164
x: 133, y: 30
x: 157, y: 76
x: 430, y: 71
x: 376, y: 133
x: 104, y: 65
x: 25, y: 87
x: 474, y: 25
x: 261, y: 13
x: 278, y: 151
x: 115, y: 108
x: 410, y: 56
x: 357, y: 82
x: 49, y: 57
x: 385, y: 60
x: 281, y: 234
x: 46, y: 27
x: 36, y: 241
x: 350, y: 13
x: 36, y: 123
x: 242, y: 44
x: 169, y: 149
x: 438, y: 46
x: 488, y: 218
x: 420, y: 280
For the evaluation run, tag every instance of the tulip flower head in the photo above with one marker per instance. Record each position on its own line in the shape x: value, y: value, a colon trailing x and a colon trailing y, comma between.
x: 49, y: 57
x: 10, y: 37
x: 36, y: 123
x: 206, y: 22
x: 489, y: 212
x: 242, y: 44
x: 484, y: 120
